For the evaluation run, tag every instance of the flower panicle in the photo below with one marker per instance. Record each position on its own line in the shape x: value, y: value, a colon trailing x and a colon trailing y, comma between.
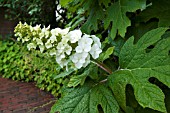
x: 72, y: 49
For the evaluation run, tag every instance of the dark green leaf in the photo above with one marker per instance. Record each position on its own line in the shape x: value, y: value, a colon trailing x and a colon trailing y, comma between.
x: 64, y: 74
x: 86, y: 99
x: 116, y: 15
x: 159, y: 9
x: 137, y: 66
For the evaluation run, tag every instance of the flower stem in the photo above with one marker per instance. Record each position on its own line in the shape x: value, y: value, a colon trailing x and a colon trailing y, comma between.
x: 102, y: 66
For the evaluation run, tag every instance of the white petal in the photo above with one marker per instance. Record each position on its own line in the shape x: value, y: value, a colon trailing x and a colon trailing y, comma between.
x: 87, y: 61
x: 62, y: 31
x: 41, y: 48
x: 73, y: 59
x: 74, y: 35
x: 53, y: 38
x: 87, y: 48
x: 39, y: 41
x: 79, y: 49
x: 96, y: 40
x: 48, y: 45
x: 78, y: 65
x: 62, y: 55
x: 31, y: 45
x: 52, y: 52
x: 84, y: 54
x: 68, y: 50
x: 60, y: 46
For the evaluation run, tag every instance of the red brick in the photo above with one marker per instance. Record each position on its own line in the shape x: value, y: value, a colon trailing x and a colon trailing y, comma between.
x: 19, y: 97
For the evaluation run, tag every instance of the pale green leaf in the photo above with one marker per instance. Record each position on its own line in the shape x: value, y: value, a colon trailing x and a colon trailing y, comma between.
x: 90, y: 71
x: 116, y: 15
x: 76, y: 80
x: 137, y: 66
x: 105, y: 55
x: 86, y: 99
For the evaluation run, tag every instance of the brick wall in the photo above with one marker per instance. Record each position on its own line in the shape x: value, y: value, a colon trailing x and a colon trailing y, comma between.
x: 6, y: 26
x: 21, y: 97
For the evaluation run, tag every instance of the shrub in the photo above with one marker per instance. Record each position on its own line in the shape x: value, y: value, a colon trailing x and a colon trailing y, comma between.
x: 19, y: 64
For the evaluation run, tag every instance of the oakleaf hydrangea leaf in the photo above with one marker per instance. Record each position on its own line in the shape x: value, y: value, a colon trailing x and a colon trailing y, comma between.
x: 159, y: 9
x: 104, y: 2
x: 86, y: 99
x: 96, y: 14
x: 138, y: 65
x: 116, y: 14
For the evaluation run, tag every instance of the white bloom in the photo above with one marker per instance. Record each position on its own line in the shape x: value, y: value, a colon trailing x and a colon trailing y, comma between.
x: 54, y: 32
x: 78, y: 65
x: 39, y: 41
x: 79, y: 59
x: 79, y: 49
x: 41, y: 48
x: 44, y: 29
x: 85, y: 40
x: 61, y: 62
x: 96, y: 40
x: 64, y: 47
x: 31, y: 45
x: 60, y: 47
x: 45, y: 32
x: 95, y: 51
x: 62, y: 55
x: 37, y: 27
x: 64, y: 31
x: 64, y: 39
x: 68, y: 49
x: 53, y: 38
x: 25, y: 39
x: 52, y: 52
x: 87, y: 61
x: 74, y: 35
x: 48, y: 44
x: 58, y: 31
x: 84, y: 44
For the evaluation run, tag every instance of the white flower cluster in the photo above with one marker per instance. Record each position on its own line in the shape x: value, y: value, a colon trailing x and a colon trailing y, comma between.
x: 71, y: 48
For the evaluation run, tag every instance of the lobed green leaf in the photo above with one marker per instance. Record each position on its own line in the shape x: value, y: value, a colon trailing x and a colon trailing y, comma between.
x: 86, y: 99
x: 139, y: 65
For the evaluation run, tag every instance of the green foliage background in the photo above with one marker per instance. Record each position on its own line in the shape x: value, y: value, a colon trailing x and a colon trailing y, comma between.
x: 17, y: 63
x: 31, y: 11
x: 132, y: 75
x: 136, y: 44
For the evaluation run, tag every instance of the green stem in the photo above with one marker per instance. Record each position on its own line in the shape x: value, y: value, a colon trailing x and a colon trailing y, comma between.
x: 102, y: 66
